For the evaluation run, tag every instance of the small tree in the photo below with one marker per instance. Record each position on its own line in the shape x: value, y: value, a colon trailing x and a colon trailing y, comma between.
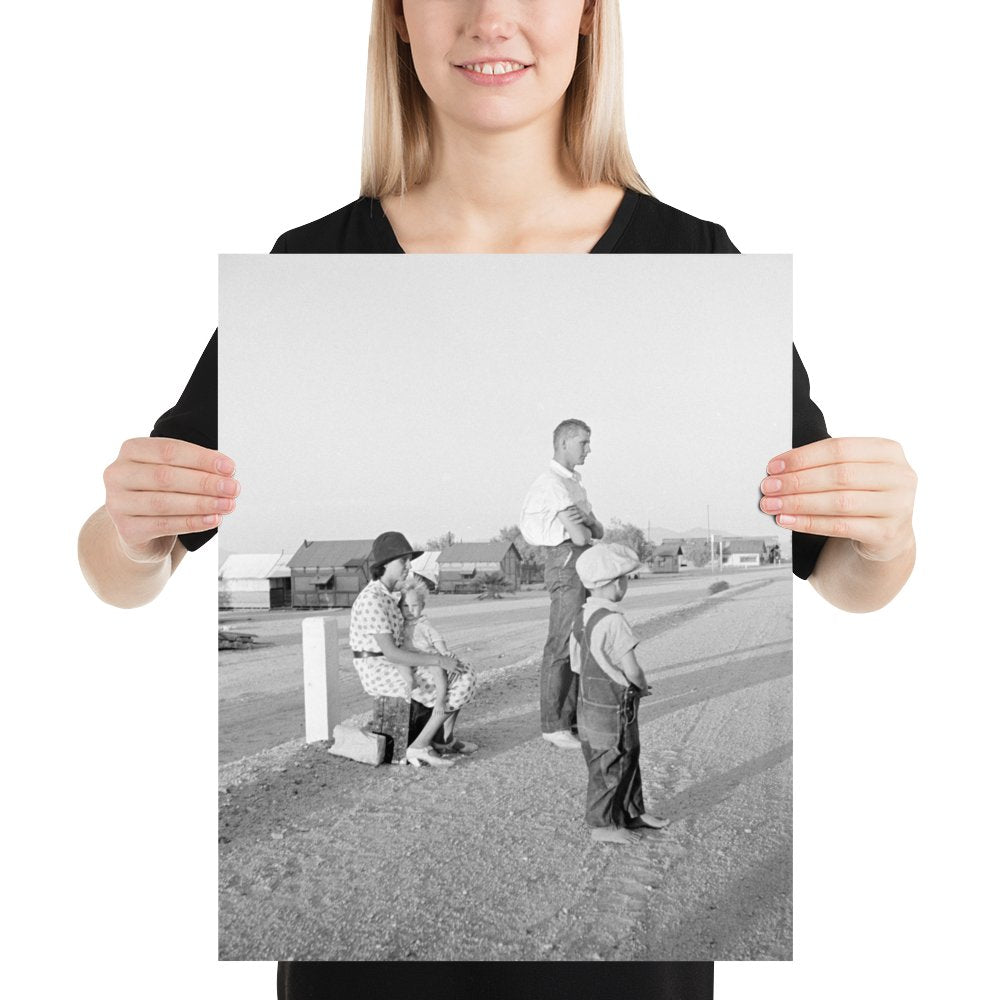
x: 441, y: 543
x: 530, y: 554
x: 696, y: 551
x: 625, y: 533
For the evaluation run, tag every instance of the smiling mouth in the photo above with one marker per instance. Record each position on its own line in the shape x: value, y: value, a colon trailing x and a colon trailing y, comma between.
x: 493, y: 68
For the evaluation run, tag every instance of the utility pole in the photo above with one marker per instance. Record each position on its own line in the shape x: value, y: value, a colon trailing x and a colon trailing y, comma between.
x: 711, y: 540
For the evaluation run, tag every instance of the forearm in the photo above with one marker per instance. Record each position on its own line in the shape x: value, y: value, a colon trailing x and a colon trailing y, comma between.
x: 852, y: 583
x: 113, y: 576
x: 635, y: 676
x: 410, y: 658
x: 629, y: 666
x: 595, y: 527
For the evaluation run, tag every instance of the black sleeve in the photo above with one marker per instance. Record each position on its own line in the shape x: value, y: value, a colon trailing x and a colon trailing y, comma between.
x: 195, y: 418
x: 808, y: 425
x: 721, y: 243
x: 497, y: 980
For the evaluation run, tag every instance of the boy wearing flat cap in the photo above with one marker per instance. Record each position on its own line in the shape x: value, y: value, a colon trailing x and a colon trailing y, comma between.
x: 602, y: 652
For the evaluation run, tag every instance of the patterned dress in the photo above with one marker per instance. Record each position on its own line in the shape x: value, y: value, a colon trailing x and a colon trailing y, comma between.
x: 376, y: 612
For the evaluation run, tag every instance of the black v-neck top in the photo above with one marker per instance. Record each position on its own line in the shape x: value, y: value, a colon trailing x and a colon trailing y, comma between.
x: 641, y: 225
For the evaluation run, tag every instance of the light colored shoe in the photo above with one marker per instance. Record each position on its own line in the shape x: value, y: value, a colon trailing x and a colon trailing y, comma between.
x: 563, y: 739
x: 425, y: 755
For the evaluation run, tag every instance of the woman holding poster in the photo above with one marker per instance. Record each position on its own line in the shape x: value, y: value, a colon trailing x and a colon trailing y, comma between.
x: 497, y: 126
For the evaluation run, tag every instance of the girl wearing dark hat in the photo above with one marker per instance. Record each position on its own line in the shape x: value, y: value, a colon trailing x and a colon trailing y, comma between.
x: 385, y: 669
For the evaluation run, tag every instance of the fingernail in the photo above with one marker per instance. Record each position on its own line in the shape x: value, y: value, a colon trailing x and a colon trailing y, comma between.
x: 209, y: 520
x: 771, y: 485
x: 225, y: 466
x: 224, y: 505
x: 775, y: 466
x: 227, y: 487
x: 785, y: 519
x: 771, y: 504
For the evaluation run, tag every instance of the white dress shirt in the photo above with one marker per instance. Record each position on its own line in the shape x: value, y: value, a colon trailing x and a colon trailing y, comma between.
x: 553, y: 491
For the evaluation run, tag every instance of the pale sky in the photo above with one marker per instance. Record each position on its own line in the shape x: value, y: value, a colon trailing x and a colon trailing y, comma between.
x: 366, y: 393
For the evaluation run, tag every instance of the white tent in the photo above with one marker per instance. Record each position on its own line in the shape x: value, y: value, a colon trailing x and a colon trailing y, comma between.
x: 253, y: 580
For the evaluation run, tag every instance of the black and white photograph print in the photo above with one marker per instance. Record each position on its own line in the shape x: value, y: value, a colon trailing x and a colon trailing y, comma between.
x: 505, y: 643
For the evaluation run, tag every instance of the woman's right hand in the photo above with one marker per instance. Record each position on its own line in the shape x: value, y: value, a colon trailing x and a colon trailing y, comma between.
x: 159, y: 488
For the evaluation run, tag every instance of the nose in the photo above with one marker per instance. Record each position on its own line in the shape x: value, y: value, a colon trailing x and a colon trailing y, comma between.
x: 491, y: 21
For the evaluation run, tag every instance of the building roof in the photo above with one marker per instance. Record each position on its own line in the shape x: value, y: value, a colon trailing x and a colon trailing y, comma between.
x: 280, y: 568
x: 476, y: 552
x: 354, y: 552
x: 734, y: 546
x: 255, y: 566
x: 669, y: 549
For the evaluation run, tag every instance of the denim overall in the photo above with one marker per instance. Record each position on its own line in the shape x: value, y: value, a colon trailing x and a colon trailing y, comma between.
x: 608, y: 715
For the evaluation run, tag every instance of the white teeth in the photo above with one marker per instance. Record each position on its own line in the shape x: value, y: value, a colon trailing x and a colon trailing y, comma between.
x: 495, y: 69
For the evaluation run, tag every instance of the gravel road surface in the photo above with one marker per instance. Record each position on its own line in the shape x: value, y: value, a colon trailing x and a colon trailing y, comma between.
x: 322, y: 858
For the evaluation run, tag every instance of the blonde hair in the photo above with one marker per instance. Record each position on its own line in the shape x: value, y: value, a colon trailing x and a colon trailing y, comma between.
x: 418, y: 587
x: 396, y: 149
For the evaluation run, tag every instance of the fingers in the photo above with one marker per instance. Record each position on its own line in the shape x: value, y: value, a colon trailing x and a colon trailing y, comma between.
x: 849, y: 476
x: 159, y: 487
x: 847, y: 503
x: 138, y: 476
x: 136, y: 503
x: 172, y: 452
x: 136, y: 532
x: 876, y: 537
x: 836, y: 451
x: 857, y: 488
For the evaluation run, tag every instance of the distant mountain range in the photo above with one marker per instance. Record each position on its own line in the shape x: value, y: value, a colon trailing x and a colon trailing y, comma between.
x: 657, y: 534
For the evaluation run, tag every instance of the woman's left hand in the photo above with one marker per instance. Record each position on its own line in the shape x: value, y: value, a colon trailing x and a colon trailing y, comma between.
x: 856, y: 488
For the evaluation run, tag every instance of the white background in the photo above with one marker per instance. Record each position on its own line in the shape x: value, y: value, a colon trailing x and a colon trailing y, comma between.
x: 143, y: 140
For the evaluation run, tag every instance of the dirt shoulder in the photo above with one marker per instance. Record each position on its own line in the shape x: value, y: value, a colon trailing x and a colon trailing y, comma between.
x: 322, y: 858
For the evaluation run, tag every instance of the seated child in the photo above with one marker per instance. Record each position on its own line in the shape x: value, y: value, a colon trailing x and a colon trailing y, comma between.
x: 602, y: 652
x: 421, y: 637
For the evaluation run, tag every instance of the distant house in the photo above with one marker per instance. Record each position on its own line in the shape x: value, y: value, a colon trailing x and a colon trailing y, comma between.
x: 745, y: 552
x: 329, y: 574
x: 460, y: 564
x: 255, y: 580
x: 667, y: 557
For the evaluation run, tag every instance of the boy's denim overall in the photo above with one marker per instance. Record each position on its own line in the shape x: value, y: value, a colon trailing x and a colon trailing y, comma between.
x: 609, y: 734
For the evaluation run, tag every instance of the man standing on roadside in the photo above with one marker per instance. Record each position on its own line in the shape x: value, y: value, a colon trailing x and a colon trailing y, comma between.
x: 557, y: 516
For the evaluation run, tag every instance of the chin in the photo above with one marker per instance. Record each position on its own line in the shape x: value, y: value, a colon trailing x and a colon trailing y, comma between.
x: 495, y: 115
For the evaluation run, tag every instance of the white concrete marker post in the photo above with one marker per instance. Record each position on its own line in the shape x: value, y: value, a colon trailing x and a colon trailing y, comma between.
x: 321, y: 677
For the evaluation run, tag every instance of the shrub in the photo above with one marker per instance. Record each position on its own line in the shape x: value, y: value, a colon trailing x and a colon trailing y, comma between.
x: 491, y: 583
